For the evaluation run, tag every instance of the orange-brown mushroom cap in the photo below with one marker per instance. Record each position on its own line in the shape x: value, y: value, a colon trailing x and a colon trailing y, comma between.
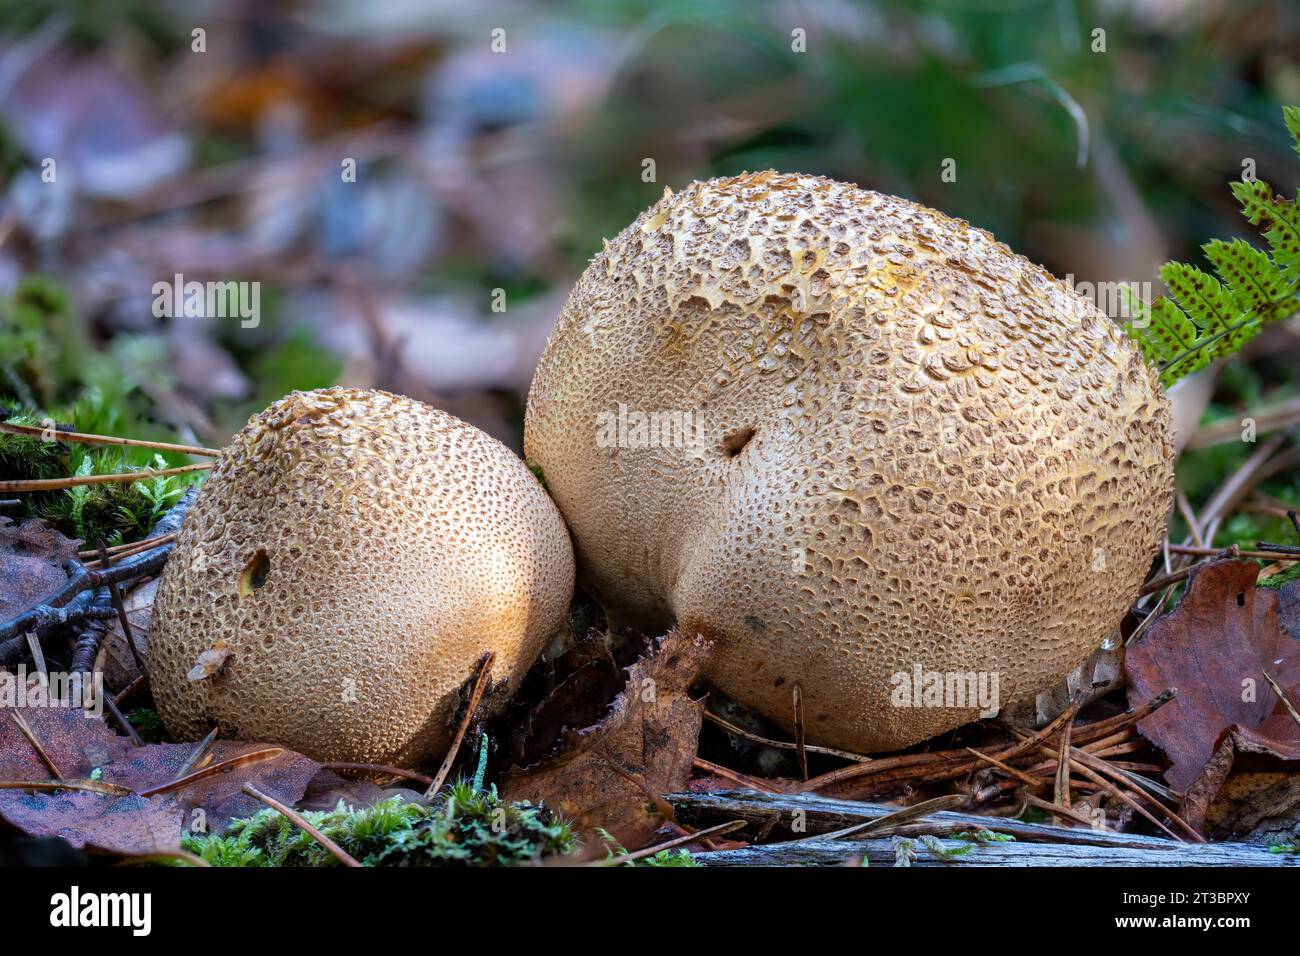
x: 356, y: 553
x: 850, y: 439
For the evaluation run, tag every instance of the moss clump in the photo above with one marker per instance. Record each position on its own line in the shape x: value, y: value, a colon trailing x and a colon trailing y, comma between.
x: 147, y: 724
x: 1281, y: 580
x: 614, y: 849
x: 668, y: 858
x: 467, y: 827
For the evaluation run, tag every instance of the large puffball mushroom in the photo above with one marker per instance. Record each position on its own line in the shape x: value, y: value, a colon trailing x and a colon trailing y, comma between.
x: 858, y: 444
x: 351, y: 557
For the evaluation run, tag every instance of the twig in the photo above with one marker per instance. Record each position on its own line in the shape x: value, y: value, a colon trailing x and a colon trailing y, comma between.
x: 38, y: 657
x: 1266, y: 552
x: 799, y: 751
x: 51, y: 611
x: 257, y: 756
x: 1020, y: 775
x: 1164, y: 581
x: 1150, y: 618
x: 379, y: 768
x: 129, y: 689
x: 122, y: 722
x: 1226, y: 497
x: 198, y: 753
x: 1281, y: 695
x: 82, y: 438
x: 90, y: 786
x: 126, y: 550
x: 744, y: 780
x: 80, y: 579
x: 700, y: 836
x: 91, y: 638
x: 1083, y: 763
x: 480, y: 685
x: 1057, y: 810
x: 21, y: 721
x: 1275, y: 551
x: 59, y: 484
x: 905, y: 815
x: 1185, y: 509
x: 1061, y: 790
x: 782, y: 744
x: 298, y: 820
x: 116, y: 595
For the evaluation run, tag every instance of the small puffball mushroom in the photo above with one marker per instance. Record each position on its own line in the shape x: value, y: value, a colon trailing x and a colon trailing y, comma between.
x: 860, y: 445
x: 351, y: 557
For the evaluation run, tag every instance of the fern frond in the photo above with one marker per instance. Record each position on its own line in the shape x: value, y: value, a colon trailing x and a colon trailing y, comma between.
x: 1279, y: 217
x: 1258, y: 285
x: 1203, y: 297
x: 1291, y: 116
x: 1206, y: 317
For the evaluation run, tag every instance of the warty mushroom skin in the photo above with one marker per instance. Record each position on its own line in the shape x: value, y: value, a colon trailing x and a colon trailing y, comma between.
x: 356, y: 553
x: 921, y: 452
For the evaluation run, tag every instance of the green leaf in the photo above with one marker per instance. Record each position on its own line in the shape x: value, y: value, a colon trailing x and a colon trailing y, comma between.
x: 1258, y: 285
x: 1291, y: 116
x: 1206, y: 317
x: 1200, y: 295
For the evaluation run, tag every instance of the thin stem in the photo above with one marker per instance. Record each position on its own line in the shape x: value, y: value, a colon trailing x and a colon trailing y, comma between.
x: 298, y: 820
x: 77, y: 481
x: 83, y: 438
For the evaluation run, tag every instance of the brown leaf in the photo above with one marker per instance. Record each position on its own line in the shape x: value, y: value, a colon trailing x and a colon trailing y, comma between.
x: 1261, y: 808
x: 79, y: 745
x: 31, y: 564
x: 605, y: 774
x: 1213, y: 649
x: 129, y: 824
x: 115, y: 657
x: 580, y: 699
x: 209, y: 663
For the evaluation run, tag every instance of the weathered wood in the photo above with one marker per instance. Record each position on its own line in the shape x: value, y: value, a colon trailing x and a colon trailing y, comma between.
x: 881, y: 853
x: 794, y: 818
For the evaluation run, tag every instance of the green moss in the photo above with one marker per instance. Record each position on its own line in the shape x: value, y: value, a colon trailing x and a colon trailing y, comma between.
x: 663, y: 858
x: 147, y: 724
x: 466, y: 827
x: 1282, y: 580
x: 668, y: 858
x: 49, y: 374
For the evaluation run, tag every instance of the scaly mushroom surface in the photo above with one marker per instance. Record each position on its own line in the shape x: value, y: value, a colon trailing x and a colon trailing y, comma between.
x: 857, y: 443
x: 349, y: 560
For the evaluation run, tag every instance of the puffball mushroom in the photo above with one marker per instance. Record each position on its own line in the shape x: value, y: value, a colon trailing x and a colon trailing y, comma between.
x: 857, y: 444
x: 349, y: 560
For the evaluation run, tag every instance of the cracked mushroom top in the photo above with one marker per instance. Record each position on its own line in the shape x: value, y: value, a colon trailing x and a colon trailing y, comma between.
x: 356, y: 552
x: 846, y: 434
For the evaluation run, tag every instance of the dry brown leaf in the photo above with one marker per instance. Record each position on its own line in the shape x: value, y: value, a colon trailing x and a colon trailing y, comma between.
x: 209, y: 663
x: 605, y: 774
x: 115, y: 658
x: 131, y: 824
x: 31, y: 564
x: 83, y: 747
x: 1213, y: 649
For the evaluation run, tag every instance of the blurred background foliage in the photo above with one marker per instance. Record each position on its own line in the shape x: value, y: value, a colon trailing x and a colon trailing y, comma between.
x: 485, y: 177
